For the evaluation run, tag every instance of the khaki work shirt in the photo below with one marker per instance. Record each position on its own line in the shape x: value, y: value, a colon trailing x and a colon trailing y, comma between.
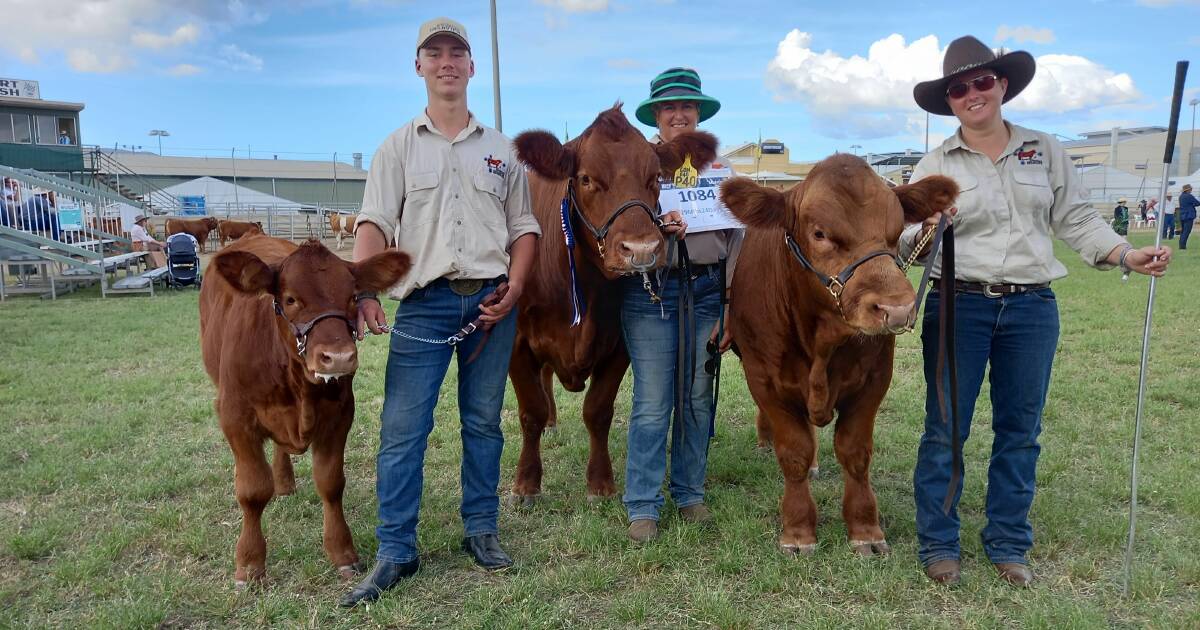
x: 454, y: 205
x: 1009, y: 210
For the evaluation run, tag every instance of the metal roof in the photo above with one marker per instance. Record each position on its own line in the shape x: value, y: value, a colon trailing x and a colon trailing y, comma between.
x: 144, y: 163
x: 32, y: 103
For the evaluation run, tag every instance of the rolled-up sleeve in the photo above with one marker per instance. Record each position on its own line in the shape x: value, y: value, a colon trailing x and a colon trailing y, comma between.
x: 1073, y: 219
x: 912, y: 232
x: 517, y: 208
x: 383, y: 198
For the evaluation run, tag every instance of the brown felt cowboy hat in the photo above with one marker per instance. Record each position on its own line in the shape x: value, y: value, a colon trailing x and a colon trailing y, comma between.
x: 968, y: 53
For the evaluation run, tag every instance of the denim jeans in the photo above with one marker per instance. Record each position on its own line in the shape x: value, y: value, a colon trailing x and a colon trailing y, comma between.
x: 1185, y: 231
x: 415, y: 371
x: 1017, y: 335
x: 1168, y: 227
x: 652, y: 337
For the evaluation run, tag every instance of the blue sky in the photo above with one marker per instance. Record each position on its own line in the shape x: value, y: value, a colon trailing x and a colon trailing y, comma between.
x: 308, y: 78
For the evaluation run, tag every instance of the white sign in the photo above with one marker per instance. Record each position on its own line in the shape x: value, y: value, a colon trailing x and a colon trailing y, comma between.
x: 20, y: 88
x: 697, y: 197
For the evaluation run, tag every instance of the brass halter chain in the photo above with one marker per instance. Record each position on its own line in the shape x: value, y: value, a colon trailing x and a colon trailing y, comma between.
x: 916, y: 253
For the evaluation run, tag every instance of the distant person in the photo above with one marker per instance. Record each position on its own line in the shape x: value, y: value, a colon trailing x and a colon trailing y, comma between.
x: 1187, y: 214
x: 1120, y: 222
x: 1142, y: 210
x: 10, y: 204
x: 1168, y: 226
x: 1152, y: 209
x: 63, y: 138
x: 143, y: 242
x: 38, y: 215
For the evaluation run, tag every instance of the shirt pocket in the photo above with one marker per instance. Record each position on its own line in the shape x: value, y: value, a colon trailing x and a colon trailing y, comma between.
x: 492, y: 194
x: 969, y: 201
x: 420, y: 190
x: 1032, y: 192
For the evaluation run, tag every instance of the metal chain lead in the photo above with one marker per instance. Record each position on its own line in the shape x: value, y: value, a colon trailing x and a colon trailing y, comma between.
x: 916, y: 253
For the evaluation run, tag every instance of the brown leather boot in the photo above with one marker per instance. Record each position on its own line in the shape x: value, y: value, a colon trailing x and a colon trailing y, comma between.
x: 945, y: 572
x: 643, y: 530
x: 697, y: 513
x: 1015, y: 573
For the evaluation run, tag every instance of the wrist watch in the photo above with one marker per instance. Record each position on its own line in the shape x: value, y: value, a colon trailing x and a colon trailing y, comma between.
x: 366, y: 295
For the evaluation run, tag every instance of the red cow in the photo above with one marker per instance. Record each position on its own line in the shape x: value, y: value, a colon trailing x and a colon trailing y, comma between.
x: 809, y: 353
x: 613, y: 172
x: 198, y: 228
x: 277, y: 338
x: 233, y: 230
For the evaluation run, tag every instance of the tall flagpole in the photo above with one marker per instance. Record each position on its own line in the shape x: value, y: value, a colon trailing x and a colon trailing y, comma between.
x: 496, y: 69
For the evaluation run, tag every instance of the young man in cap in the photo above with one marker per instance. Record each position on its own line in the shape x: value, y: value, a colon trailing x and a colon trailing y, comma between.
x: 449, y: 192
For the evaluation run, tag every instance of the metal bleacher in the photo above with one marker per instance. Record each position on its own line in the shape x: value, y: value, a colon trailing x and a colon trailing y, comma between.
x: 97, y: 257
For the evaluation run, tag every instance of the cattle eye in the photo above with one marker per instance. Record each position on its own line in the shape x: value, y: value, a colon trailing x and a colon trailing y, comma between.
x: 584, y: 180
x: 290, y: 301
x: 818, y: 235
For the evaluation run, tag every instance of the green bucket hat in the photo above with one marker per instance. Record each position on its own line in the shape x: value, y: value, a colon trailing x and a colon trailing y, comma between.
x: 676, y: 84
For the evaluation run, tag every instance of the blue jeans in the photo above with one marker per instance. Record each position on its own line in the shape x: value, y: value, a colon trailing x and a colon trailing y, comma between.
x: 1185, y: 231
x: 652, y: 338
x: 1168, y: 226
x: 1018, y: 335
x: 415, y: 371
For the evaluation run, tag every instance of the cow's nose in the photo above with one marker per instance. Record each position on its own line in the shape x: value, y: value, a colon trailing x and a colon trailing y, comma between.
x: 640, y: 255
x: 337, y: 362
x: 896, y: 316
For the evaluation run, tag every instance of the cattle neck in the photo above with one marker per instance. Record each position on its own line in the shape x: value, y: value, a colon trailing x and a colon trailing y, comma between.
x: 301, y: 330
x: 835, y: 285
x: 602, y: 232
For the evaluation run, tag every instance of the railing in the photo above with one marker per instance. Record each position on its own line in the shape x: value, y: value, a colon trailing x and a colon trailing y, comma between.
x: 109, y: 172
x: 291, y: 221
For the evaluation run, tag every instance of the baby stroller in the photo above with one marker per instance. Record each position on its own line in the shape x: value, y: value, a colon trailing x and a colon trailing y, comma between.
x: 183, y: 261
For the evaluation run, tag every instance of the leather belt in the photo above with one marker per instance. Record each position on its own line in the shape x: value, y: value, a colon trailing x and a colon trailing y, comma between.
x: 997, y: 290
x: 468, y: 286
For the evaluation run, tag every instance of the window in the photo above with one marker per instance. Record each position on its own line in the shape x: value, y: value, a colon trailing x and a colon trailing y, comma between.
x: 47, y: 130
x: 6, y: 130
x: 21, y: 130
x: 66, y: 131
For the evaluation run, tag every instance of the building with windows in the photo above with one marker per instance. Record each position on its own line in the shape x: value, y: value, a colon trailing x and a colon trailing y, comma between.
x: 1137, y: 151
x: 36, y: 133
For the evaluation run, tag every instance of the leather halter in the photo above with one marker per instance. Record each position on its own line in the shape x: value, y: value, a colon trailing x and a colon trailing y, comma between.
x: 836, y: 284
x: 301, y: 330
x: 602, y: 232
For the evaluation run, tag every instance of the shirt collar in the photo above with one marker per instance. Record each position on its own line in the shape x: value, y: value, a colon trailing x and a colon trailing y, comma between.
x: 473, y: 126
x: 1017, y: 136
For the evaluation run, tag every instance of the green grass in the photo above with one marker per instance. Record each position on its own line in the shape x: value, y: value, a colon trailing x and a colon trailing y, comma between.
x: 117, y: 507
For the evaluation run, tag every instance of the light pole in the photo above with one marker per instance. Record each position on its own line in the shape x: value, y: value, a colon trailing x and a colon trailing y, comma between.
x: 1192, y: 138
x: 854, y: 149
x: 160, y: 133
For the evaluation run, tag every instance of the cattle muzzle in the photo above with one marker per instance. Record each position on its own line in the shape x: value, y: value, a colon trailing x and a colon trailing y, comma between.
x: 301, y: 330
x: 601, y: 233
x: 837, y: 284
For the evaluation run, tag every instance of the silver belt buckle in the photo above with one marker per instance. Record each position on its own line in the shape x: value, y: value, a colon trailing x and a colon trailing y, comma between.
x: 988, y: 292
x: 466, y: 287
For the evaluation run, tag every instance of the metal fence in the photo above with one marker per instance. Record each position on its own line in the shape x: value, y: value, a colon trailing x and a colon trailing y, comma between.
x: 294, y: 222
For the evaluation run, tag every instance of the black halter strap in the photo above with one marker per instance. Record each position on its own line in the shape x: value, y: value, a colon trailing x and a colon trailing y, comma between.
x: 602, y: 232
x: 301, y: 330
x: 836, y: 284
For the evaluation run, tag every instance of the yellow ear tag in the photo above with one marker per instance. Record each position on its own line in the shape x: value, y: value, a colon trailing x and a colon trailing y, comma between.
x: 686, y: 176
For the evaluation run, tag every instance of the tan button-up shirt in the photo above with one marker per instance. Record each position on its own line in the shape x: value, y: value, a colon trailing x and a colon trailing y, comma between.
x: 455, y: 205
x: 1009, y: 210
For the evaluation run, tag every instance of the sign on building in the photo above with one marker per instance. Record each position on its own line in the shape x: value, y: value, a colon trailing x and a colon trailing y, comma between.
x: 771, y: 147
x: 20, y: 88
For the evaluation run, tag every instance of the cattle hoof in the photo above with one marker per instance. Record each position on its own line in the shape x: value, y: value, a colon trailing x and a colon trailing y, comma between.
x: 765, y: 448
x: 798, y: 550
x: 593, y: 498
x: 869, y: 548
x: 524, y: 501
x: 350, y: 571
x: 814, y: 472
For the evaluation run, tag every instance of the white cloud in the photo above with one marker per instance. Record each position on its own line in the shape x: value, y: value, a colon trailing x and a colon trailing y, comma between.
x: 1022, y: 34
x: 871, y: 96
x: 577, y: 6
x: 184, y: 70
x: 238, y: 59
x: 185, y: 34
x: 103, y: 62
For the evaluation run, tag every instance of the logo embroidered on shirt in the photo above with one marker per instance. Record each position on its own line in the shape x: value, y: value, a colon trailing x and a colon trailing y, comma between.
x: 495, y: 166
x: 1029, y: 156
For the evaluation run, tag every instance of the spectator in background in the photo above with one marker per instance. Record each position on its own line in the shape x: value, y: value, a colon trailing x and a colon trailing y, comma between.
x: 39, y: 215
x: 1168, y: 226
x: 143, y: 242
x: 63, y: 138
x: 9, y: 204
x: 1120, y: 222
x: 1187, y: 214
x: 1152, y: 209
x: 1142, y: 209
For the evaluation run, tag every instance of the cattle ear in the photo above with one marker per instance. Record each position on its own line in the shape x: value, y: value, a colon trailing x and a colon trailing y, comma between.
x: 545, y: 154
x: 926, y: 197
x: 701, y: 146
x: 381, y: 271
x: 756, y: 206
x: 245, y: 271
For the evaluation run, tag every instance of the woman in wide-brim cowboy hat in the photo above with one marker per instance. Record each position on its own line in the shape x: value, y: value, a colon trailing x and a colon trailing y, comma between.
x: 676, y: 105
x: 1018, y: 190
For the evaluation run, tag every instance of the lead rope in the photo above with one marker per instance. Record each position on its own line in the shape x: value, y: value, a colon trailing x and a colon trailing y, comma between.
x: 947, y: 363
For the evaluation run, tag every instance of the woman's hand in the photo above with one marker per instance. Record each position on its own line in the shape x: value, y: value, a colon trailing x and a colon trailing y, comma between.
x: 673, y: 224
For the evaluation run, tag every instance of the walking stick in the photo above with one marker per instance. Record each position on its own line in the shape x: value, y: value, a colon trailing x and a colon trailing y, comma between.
x: 1180, y: 74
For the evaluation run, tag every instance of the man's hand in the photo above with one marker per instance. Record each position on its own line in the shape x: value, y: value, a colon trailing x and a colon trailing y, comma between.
x: 1149, y: 261
x: 673, y: 223
x: 499, y: 310
x: 370, y: 312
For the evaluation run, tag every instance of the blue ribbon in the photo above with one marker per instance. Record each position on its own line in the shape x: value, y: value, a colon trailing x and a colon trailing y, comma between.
x: 577, y: 304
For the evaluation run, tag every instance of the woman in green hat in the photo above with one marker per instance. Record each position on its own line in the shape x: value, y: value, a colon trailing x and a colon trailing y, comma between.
x: 676, y: 105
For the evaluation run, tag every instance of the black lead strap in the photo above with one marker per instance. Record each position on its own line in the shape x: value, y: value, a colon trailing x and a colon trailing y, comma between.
x: 947, y: 363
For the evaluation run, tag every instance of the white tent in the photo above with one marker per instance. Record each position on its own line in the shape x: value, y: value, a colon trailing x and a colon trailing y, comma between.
x: 1103, y: 185
x: 223, y: 197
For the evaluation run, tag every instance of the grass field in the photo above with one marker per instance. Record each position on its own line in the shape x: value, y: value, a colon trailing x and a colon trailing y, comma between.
x: 117, y: 507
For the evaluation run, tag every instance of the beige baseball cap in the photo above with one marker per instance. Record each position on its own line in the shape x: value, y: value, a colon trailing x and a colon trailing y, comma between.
x: 440, y: 26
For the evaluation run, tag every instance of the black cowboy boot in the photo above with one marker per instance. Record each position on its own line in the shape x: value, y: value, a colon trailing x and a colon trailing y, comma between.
x: 485, y: 549
x: 385, y: 575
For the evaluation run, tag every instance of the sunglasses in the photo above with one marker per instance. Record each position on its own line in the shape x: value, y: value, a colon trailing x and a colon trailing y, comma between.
x: 981, y: 83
